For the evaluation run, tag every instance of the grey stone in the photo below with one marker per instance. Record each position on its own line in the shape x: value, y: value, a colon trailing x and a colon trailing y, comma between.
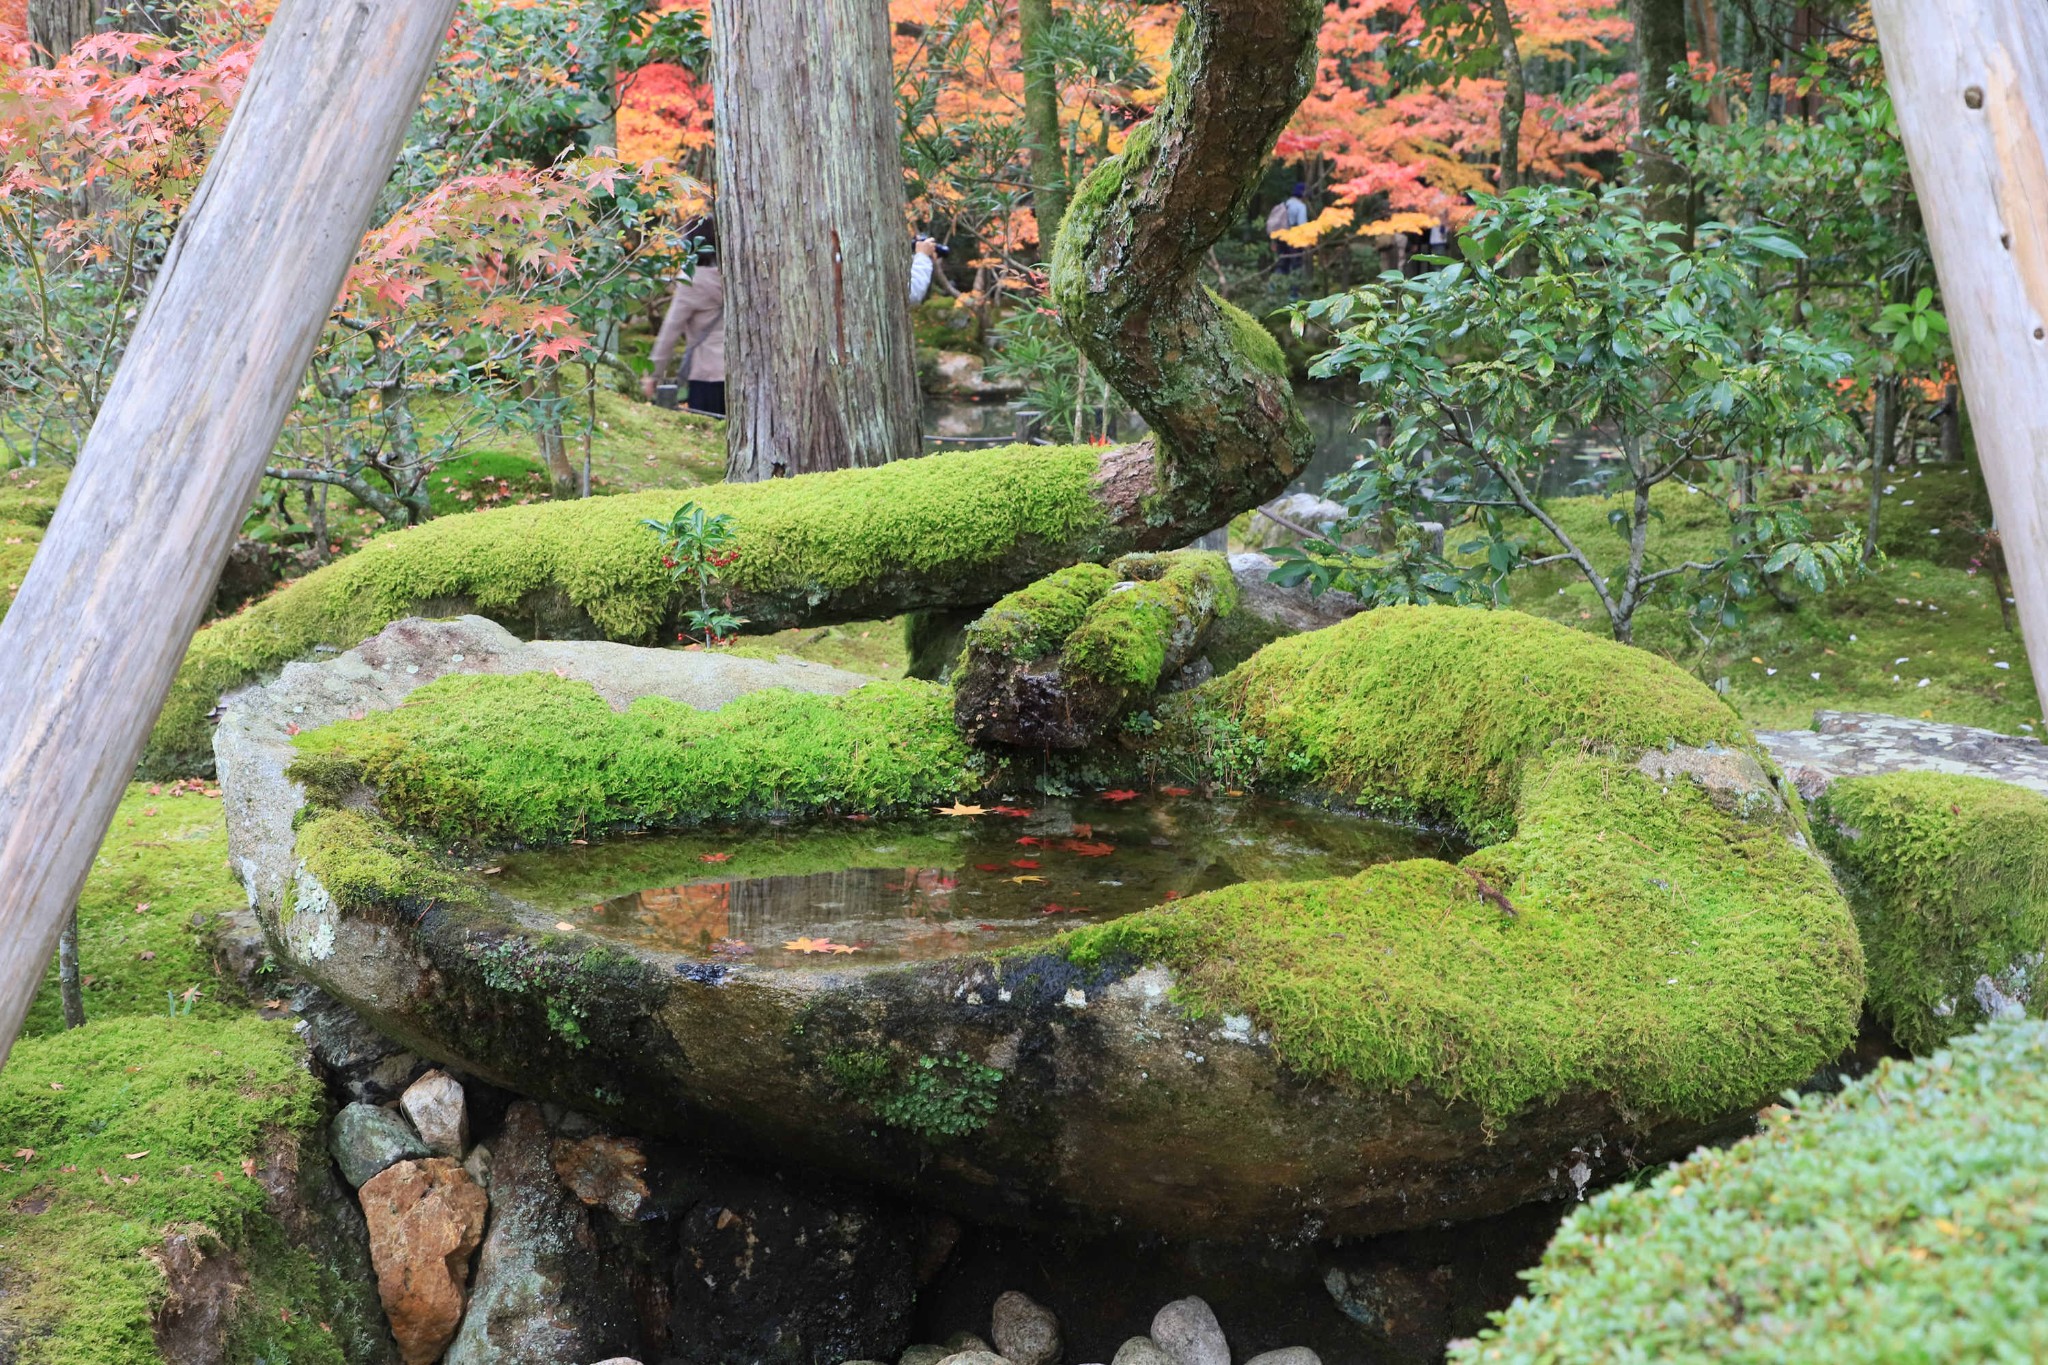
x: 1290, y: 610
x: 1287, y: 1355
x: 1141, y: 1351
x: 1856, y: 744
x: 619, y: 1360
x: 1732, y: 779
x: 366, y: 1139
x: 1025, y: 1331
x: 439, y: 1113
x: 923, y: 1354
x: 478, y: 1164
x: 966, y: 1341
x: 975, y: 1358
x: 1187, y: 1331
x: 541, y: 1294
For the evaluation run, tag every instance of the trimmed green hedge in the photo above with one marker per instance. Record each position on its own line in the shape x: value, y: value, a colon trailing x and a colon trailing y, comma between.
x: 1904, y: 1220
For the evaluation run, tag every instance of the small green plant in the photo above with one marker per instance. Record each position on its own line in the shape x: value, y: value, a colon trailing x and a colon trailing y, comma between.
x: 939, y: 1097
x: 696, y: 547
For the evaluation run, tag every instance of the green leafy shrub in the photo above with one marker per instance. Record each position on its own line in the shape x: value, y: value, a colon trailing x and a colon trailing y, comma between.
x: 1948, y: 877
x: 1904, y: 1220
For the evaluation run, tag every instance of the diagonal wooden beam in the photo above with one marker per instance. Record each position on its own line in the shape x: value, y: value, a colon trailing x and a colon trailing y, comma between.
x: 1969, y: 79
x: 118, y: 585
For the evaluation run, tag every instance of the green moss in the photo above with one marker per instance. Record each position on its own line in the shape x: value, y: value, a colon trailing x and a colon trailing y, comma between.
x: 1948, y: 877
x: 362, y: 863
x: 1254, y: 342
x: 146, y: 914
x: 29, y: 496
x: 137, y: 1125
x: 1659, y: 950
x: 570, y: 978
x: 494, y: 760
x: 472, y: 481
x: 1436, y: 711
x: 590, y: 566
x: 1124, y: 637
x: 933, y: 1097
x: 1902, y: 1221
x: 1033, y: 622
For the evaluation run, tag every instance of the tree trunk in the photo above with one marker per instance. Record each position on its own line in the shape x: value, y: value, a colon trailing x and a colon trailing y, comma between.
x: 548, y: 436
x: 1514, y: 96
x: 55, y: 26
x: 812, y: 238
x: 1708, y: 22
x: 1042, y: 120
x: 69, y: 990
x: 1661, y: 103
x: 1969, y: 79
x: 105, y: 613
x: 1884, y: 422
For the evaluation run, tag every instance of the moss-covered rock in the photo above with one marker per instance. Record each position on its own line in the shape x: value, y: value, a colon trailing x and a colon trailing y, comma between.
x: 135, y: 1131
x: 1644, y: 922
x: 533, y: 758
x: 1900, y: 1221
x: 1948, y: 877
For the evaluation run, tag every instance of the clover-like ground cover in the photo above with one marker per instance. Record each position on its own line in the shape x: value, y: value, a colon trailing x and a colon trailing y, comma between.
x: 1903, y: 1220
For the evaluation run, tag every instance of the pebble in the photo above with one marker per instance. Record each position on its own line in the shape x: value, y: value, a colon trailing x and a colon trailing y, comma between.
x: 1288, y: 1355
x: 439, y: 1113
x: 975, y: 1358
x: 1141, y: 1351
x: 1025, y: 1331
x: 1188, y: 1332
x: 366, y: 1140
x: 923, y: 1354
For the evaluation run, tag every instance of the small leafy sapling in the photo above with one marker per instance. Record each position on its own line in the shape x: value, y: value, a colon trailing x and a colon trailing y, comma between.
x: 1572, y: 312
x: 696, y: 547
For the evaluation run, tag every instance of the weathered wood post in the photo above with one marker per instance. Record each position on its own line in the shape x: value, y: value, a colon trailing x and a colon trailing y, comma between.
x: 1970, y: 81
x: 89, y: 647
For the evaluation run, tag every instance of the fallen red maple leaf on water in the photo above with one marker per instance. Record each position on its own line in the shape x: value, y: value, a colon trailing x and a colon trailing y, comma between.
x: 1023, y: 862
x: 1083, y: 849
x: 714, y: 857
x: 1030, y: 840
x: 1173, y: 895
x: 988, y: 867
x: 1055, y: 909
x: 1120, y: 795
x: 1014, y: 812
x: 817, y: 945
x: 1175, y: 791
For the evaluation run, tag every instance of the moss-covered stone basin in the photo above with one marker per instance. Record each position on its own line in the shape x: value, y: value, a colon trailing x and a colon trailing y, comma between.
x: 1318, y: 1040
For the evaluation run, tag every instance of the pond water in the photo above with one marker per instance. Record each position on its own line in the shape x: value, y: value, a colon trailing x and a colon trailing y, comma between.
x: 937, y: 886
x: 1580, y: 460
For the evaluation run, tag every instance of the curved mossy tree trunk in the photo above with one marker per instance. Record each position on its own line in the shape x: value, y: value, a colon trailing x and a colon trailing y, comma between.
x: 949, y: 531
x: 813, y: 245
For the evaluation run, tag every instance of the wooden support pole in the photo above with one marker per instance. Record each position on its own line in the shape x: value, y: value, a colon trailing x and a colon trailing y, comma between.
x: 124, y: 572
x: 1970, y: 82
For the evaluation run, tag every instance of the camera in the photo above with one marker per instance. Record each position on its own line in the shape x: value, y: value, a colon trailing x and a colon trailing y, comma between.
x: 938, y: 246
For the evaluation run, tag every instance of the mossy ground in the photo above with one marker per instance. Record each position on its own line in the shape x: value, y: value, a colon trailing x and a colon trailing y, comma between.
x: 28, y: 499
x: 1902, y: 1221
x: 1948, y: 877
x: 535, y: 759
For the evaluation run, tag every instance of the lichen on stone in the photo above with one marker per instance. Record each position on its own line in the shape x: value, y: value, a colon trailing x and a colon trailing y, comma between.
x: 1948, y: 877
x: 1619, y: 934
x: 494, y: 760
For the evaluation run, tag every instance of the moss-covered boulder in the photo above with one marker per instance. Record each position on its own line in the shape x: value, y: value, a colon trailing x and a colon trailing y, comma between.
x: 1902, y: 1220
x: 1641, y: 954
x: 1948, y: 876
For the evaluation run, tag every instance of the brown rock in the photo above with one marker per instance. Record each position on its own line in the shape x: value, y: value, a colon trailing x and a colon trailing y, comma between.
x: 202, y: 1281
x: 426, y: 1218
x: 605, y: 1171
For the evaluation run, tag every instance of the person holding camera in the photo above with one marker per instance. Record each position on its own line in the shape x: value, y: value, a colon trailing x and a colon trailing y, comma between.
x: 696, y: 320
x: 924, y: 267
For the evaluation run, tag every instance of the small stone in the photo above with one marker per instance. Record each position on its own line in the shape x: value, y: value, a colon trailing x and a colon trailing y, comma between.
x: 1187, y: 1331
x: 1141, y: 1351
x: 1026, y: 1332
x: 478, y: 1164
x: 966, y: 1341
x: 425, y: 1219
x: 615, y: 1360
x: 439, y: 1113
x: 606, y: 1172
x: 1287, y: 1355
x: 975, y: 1358
x: 923, y: 1354
x: 366, y: 1140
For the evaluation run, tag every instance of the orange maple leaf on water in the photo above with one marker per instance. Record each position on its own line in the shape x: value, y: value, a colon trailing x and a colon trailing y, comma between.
x: 1120, y: 795
x: 714, y: 857
x: 817, y: 945
x: 1175, y: 791
x: 1084, y: 849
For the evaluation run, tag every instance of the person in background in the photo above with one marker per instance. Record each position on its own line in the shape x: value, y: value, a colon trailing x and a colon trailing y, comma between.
x: 696, y: 320
x: 924, y: 267
x: 1291, y: 212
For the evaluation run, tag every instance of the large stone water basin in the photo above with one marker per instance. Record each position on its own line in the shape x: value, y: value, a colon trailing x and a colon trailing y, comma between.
x: 679, y: 986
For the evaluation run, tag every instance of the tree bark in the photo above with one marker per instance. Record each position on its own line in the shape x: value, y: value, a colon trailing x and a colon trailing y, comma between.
x: 1042, y: 120
x: 1661, y: 103
x: 1514, y: 96
x: 812, y: 238
x: 55, y: 26
x: 1708, y: 22
x: 105, y: 613
x: 1969, y: 79
x: 70, y: 991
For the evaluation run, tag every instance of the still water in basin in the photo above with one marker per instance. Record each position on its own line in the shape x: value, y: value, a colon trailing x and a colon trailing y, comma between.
x: 936, y: 886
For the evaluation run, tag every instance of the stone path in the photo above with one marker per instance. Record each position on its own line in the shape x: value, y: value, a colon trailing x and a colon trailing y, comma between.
x: 1853, y: 744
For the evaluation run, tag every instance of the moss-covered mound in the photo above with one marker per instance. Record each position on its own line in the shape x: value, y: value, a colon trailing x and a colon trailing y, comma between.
x: 591, y: 567
x: 1631, y: 931
x: 132, y: 1128
x: 481, y: 759
x: 28, y: 499
x: 1948, y: 877
x: 1905, y: 1220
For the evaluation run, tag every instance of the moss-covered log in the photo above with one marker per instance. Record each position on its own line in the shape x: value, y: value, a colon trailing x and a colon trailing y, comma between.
x: 955, y: 530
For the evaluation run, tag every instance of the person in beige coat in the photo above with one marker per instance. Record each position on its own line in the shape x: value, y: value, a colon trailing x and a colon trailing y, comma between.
x: 696, y: 321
